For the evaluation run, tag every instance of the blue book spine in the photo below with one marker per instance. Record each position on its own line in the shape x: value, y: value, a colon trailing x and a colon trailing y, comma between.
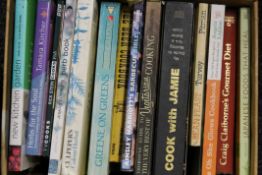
x: 128, y: 150
x: 39, y: 84
x: 104, y: 89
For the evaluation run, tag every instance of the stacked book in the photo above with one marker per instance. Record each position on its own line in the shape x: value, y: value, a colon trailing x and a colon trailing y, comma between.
x: 130, y: 87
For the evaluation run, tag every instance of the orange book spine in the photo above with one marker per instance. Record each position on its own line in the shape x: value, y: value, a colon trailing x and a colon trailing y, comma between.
x: 213, y: 89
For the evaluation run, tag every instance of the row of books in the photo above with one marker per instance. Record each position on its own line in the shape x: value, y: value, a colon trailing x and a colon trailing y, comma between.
x: 142, y: 88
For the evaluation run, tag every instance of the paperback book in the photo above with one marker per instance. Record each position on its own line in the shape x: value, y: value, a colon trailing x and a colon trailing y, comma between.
x: 79, y: 102
x: 119, y: 107
x: 128, y: 146
x: 21, y: 80
x: 99, y: 148
x: 53, y: 72
x: 39, y: 81
x: 213, y: 90
x: 243, y: 105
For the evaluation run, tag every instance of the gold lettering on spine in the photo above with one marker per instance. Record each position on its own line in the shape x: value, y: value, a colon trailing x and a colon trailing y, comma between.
x: 172, y: 120
x: 226, y: 104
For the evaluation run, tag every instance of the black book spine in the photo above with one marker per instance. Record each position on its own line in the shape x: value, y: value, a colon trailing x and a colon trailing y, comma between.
x: 54, y: 60
x: 148, y: 89
x: 174, y: 90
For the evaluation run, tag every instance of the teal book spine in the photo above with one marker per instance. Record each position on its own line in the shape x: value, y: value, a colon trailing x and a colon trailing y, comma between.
x: 21, y: 80
x: 104, y: 89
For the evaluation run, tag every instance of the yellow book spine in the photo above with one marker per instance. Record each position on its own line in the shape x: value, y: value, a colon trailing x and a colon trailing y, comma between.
x: 120, y: 84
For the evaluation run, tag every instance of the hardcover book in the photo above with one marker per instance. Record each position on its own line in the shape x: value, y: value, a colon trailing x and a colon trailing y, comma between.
x: 99, y: 148
x: 120, y: 84
x: 7, y: 72
x: 79, y: 101
x: 128, y: 146
x: 39, y: 81
x: 226, y: 126
x: 148, y: 89
x: 55, y: 163
x: 53, y: 71
x: 174, y: 90
x: 213, y: 90
x: 243, y: 105
x: 21, y: 80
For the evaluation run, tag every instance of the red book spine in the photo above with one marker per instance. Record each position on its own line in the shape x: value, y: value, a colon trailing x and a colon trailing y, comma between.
x: 225, y: 149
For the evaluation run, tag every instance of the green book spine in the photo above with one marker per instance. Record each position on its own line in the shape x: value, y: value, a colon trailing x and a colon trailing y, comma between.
x: 21, y: 79
x: 243, y: 130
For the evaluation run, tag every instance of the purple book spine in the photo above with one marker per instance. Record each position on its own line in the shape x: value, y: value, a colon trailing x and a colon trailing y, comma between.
x: 39, y: 84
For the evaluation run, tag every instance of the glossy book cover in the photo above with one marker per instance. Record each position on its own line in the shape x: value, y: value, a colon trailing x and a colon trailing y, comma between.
x: 39, y: 82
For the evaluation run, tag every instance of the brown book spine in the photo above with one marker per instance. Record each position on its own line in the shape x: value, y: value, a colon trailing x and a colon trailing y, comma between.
x: 225, y: 151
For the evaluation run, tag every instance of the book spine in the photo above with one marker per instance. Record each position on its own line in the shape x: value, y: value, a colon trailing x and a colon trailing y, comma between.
x: 148, y: 89
x: 199, y: 77
x: 213, y: 89
x: 7, y: 72
x: 80, y: 89
x: 23, y: 52
x: 62, y: 88
x: 120, y: 84
x: 102, y: 111
x: 39, y: 82
x: 226, y: 127
x: 53, y: 71
x: 174, y: 90
x: 128, y: 150
x: 255, y: 91
x: 243, y: 117
x: 260, y: 92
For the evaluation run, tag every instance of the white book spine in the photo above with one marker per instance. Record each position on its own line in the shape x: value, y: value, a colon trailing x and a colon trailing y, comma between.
x: 80, y: 89
x: 62, y: 89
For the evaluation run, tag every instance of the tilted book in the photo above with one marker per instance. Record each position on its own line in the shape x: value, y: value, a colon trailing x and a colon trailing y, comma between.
x: 7, y: 72
x: 244, y: 94
x: 62, y: 89
x: 53, y: 71
x: 226, y: 125
x: 128, y: 143
x: 174, y: 90
x: 99, y: 148
x: 21, y: 80
x: 148, y: 89
x: 120, y: 84
x: 199, y: 76
x: 39, y: 82
x: 79, y: 101
x: 213, y: 90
